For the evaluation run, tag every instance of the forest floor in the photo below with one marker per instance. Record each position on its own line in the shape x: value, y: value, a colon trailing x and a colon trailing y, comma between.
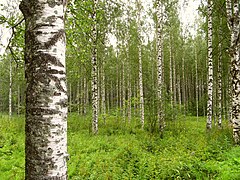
x: 122, y: 151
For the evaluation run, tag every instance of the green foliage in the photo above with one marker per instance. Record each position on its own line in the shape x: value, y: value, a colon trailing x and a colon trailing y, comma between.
x: 124, y: 151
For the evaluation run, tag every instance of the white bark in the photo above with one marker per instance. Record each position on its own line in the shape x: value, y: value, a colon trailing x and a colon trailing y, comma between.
x: 103, y: 90
x: 159, y: 65
x: 46, y: 94
x: 234, y: 51
x: 94, y: 72
x: 210, y: 68
x: 219, y: 93
x: 140, y: 68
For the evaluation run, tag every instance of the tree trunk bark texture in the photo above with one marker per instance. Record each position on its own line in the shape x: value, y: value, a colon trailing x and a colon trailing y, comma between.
x: 94, y: 72
x: 234, y: 51
x: 210, y: 68
x: 46, y: 94
x: 159, y: 66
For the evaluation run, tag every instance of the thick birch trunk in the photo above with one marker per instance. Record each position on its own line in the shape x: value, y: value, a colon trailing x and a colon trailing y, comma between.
x: 46, y: 94
x: 94, y: 72
x: 234, y: 50
x: 210, y: 68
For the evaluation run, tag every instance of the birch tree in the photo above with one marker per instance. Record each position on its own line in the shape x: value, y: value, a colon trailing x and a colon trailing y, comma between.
x: 46, y: 94
x: 159, y: 64
x: 94, y: 71
x: 140, y: 66
x: 210, y: 67
x: 234, y: 51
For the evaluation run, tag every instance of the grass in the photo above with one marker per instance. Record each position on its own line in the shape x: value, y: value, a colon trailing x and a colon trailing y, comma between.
x: 122, y: 151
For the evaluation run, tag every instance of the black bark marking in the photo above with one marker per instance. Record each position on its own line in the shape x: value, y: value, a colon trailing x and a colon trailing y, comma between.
x: 55, y: 39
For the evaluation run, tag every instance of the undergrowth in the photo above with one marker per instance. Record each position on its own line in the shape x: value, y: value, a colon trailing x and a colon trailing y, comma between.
x: 124, y: 151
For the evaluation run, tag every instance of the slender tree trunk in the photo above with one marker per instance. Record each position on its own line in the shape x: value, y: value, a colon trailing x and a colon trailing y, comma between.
x: 46, y: 93
x: 79, y: 97
x: 18, y: 100
x: 85, y: 96
x: 103, y: 90
x: 140, y: 69
x: 210, y: 68
x: 196, y: 68
x: 170, y: 75
x: 141, y: 87
x: 117, y: 83
x: 219, y: 93
x: 120, y: 90
x: 94, y: 71
x: 10, y: 89
x: 174, y: 83
x: 70, y: 98
x: 123, y: 91
x: 160, y: 66
x: 179, y: 92
x: 129, y: 72
x: 183, y: 88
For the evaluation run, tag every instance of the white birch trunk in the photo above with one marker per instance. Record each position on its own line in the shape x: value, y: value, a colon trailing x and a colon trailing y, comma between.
x: 233, y: 24
x: 140, y: 68
x: 234, y: 50
x: 210, y: 68
x: 46, y: 94
x: 94, y: 71
x: 219, y: 93
x: 160, y: 66
x: 103, y: 90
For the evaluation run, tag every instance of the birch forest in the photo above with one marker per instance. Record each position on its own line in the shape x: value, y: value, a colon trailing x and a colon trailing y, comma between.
x: 119, y: 89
